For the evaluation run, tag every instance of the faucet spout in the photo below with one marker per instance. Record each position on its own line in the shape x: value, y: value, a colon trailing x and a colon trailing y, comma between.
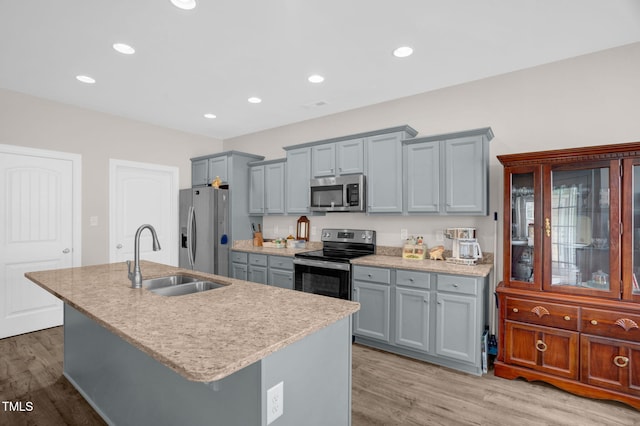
x: 135, y: 275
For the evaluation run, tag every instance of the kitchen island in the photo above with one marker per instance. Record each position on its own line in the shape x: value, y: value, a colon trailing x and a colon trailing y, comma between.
x: 203, y: 358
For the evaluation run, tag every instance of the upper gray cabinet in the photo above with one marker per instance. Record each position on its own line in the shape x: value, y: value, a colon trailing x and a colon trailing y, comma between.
x: 383, y: 170
x: 230, y: 166
x: 338, y: 158
x: 448, y: 174
x: 267, y: 187
x: 297, y: 184
x: 218, y: 167
x: 200, y: 172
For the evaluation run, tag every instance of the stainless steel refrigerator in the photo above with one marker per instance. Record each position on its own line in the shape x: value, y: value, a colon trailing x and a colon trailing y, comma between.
x: 204, y: 230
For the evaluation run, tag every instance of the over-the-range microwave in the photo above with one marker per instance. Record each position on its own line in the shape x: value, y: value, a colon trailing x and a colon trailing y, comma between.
x: 338, y: 194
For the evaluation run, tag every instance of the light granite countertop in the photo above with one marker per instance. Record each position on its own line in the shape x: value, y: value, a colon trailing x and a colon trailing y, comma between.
x: 248, y: 247
x: 202, y: 336
x: 397, y: 262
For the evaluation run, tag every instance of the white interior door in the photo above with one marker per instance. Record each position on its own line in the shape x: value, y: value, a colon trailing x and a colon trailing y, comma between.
x: 39, y: 193
x: 143, y: 193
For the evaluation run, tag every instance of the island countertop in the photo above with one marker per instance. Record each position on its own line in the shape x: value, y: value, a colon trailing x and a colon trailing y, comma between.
x: 203, y: 336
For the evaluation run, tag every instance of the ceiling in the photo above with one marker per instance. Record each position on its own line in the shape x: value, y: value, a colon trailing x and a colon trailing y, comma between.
x: 213, y: 58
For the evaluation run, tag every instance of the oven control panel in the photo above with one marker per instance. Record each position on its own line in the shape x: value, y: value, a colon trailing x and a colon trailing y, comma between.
x: 349, y: 235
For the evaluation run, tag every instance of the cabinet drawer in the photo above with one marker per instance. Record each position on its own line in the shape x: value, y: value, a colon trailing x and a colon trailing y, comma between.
x: 543, y: 313
x: 614, y: 324
x: 413, y: 279
x: 457, y: 284
x: 238, y: 257
x: 257, y: 259
x: 281, y: 262
x: 377, y: 275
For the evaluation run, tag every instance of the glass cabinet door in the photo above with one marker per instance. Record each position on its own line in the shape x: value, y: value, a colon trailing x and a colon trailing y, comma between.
x: 579, y: 241
x: 524, y: 227
x: 631, y: 225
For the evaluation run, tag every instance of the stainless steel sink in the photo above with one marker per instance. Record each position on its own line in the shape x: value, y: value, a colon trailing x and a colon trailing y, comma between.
x: 169, y: 280
x: 178, y: 285
x: 188, y: 288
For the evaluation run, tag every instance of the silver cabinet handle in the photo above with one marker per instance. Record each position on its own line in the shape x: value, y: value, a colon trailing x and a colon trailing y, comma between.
x: 119, y: 246
x: 65, y: 251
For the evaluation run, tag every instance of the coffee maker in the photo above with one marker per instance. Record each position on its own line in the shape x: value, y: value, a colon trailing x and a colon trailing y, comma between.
x: 465, y: 250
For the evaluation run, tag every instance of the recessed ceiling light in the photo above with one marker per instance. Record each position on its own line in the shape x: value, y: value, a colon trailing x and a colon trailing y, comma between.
x: 316, y: 78
x: 184, y: 4
x: 254, y: 100
x: 403, y: 52
x: 123, y: 48
x: 85, y: 79
x: 209, y: 115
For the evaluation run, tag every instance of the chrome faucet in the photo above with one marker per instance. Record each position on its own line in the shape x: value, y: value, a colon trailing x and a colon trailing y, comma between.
x: 136, y: 276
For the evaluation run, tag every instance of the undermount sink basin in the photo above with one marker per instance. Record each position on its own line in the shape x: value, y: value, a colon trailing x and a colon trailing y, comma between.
x: 178, y: 285
x: 188, y: 288
x: 169, y: 280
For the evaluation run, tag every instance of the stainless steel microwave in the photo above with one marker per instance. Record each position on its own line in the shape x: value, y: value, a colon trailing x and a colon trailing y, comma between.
x: 338, y: 194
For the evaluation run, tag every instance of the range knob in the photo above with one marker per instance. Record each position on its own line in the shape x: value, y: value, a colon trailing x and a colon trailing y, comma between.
x: 326, y: 235
x: 364, y: 236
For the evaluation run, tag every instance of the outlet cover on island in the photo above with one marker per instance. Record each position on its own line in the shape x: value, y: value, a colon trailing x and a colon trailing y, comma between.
x: 275, y: 402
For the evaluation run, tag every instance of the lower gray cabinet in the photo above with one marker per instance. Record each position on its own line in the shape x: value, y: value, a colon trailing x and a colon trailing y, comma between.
x: 239, y: 267
x: 281, y: 271
x: 262, y: 268
x: 434, y: 317
x: 257, y: 268
x: 372, y: 290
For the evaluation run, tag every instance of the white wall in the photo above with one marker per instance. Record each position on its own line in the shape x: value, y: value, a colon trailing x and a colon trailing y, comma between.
x: 39, y: 123
x: 587, y: 100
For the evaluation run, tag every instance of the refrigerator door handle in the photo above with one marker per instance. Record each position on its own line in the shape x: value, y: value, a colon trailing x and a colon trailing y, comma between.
x: 191, y: 236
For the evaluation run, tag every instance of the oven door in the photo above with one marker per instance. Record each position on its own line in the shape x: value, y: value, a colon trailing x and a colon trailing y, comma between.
x: 323, y: 277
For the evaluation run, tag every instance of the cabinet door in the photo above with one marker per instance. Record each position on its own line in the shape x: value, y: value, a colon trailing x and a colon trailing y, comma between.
x: 218, y: 167
x: 384, y: 173
x: 239, y: 271
x: 298, y: 176
x: 257, y: 274
x: 412, y: 318
x: 582, y: 229
x: 350, y: 157
x: 631, y: 222
x: 457, y: 334
x: 545, y: 349
x: 281, y: 278
x: 256, y: 190
x: 324, y: 160
x: 274, y: 188
x: 422, y: 177
x: 372, y: 320
x: 200, y: 172
x: 524, y: 227
x: 611, y: 364
x: 466, y: 171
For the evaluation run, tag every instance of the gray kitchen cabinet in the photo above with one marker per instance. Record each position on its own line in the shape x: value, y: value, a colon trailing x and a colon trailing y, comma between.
x: 413, y: 310
x: 257, y: 271
x: 256, y: 190
x: 281, y: 271
x: 200, y: 172
x: 447, y: 174
x: 297, y: 183
x: 459, y: 325
x: 218, y: 168
x: 338, y: 158
x: 384, y: 171
x: 422, y: 177
x: 371, y: 288
x: 267, y: 187
x: 239, y: 267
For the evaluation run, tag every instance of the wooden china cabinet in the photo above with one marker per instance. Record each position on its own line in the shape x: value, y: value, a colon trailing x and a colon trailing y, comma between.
x: 569, y: 303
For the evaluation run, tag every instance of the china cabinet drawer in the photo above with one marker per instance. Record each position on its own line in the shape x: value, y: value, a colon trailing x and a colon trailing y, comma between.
x: 543, y: 313
x: 376, y: 275
x: 457, y: 284
x: 618, y: 325
x: 413, y: 279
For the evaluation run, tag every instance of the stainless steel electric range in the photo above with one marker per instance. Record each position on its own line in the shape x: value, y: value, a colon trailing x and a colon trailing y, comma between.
x: 328, y: 271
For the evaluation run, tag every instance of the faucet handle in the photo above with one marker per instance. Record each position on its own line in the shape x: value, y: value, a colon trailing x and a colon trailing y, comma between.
x: 129, y: 271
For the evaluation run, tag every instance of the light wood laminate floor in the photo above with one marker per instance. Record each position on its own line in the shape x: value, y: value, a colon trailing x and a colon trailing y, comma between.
x: 387, y: 390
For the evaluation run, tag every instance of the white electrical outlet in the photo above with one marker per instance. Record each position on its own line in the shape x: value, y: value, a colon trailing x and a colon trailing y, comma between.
x: 290, y: 229
x: 439, y: 235
x: 404, y: 234
x: 93, y: 220
x: 275, y: 402
x: 314, y: 230
x: 275, y: 230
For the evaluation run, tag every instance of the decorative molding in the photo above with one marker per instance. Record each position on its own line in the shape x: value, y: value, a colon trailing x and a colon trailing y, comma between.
x: 540, y: 311
x: 626, y: 323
